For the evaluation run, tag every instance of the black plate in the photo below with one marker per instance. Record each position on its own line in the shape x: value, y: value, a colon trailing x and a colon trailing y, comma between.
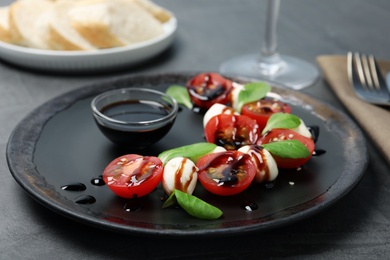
x: 59, y: 144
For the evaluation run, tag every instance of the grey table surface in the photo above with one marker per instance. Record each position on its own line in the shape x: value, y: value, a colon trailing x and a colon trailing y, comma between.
x: 210, y: 32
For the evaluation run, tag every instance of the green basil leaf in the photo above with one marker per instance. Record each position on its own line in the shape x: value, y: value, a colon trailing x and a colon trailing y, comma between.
x: 251, y: 92
x: 180, y: 94
x: 282, y: 120
x: 192, y: 152
x: 171, y: 201
x: 197, y: 207
x: 288, y: 149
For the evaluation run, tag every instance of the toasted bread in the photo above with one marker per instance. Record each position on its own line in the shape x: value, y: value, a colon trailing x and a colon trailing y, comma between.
x: 28, y: 22
x: 81, y: 24
x: 114, y: 23
x: 61, y: 34
x: 5, y: 34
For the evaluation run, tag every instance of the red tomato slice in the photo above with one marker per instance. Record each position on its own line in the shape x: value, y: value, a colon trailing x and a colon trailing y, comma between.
x: 231, y: 131
x: 133, y: 175
x: 226, y: 173
x: 206, y: 89
x: 276, y: 135
x: 261, y: 110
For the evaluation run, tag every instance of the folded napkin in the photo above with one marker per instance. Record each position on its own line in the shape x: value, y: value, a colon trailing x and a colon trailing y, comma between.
x: 374, y: 120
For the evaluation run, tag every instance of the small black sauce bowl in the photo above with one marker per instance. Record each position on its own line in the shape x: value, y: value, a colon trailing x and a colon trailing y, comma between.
x: 134, y: 117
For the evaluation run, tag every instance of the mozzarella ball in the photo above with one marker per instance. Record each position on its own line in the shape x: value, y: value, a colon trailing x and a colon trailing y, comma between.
x: 181, y: 174
x: 303, y: 130
x: 267, y: 169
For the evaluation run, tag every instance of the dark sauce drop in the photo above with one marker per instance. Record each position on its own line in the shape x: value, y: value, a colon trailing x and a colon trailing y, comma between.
x: 74, y: 187
x: 133, y: 206
x: 136, y: 111
x: 249, y: 206
x: 269, y: 185
x: 197, y: 110
x: 318, y: 152
x: 98, y: 181
x: 85, y: 199
x: 315, y: 132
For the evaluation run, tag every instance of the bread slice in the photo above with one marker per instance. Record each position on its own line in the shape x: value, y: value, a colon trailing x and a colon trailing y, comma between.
x: 28, y: 22
x: 113, y: 23
x: 5, y: 34
x: 61, y: 33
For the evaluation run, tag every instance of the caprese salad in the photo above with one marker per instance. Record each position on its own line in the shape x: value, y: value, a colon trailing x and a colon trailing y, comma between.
x: 249, y: 136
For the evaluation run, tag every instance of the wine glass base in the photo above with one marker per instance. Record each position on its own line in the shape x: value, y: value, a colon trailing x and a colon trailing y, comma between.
x: 290, y: 72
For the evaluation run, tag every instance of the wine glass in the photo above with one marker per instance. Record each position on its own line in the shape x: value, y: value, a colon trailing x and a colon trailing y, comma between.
x: 269, y: 65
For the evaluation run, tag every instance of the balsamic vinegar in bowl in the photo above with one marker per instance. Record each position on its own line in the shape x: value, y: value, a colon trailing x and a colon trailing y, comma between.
x: 136, y: 117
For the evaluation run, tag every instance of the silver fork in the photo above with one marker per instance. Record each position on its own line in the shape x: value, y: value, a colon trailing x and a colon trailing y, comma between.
x: 366, y: 79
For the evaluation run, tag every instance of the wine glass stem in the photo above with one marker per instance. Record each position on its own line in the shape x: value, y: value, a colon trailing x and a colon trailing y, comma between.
x: 270, y: 62
x: 270, y: 44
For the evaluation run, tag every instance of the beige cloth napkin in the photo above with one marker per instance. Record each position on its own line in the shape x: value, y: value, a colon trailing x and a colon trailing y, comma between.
x: 374, y: 120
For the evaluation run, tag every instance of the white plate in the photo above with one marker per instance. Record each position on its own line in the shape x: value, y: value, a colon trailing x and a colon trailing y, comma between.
x: 96, y: 60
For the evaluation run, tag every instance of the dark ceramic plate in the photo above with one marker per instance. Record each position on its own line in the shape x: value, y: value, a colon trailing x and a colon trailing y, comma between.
x: 58, y: 144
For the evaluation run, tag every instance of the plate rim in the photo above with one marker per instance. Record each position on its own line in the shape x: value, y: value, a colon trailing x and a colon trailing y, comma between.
x: 61, y: 102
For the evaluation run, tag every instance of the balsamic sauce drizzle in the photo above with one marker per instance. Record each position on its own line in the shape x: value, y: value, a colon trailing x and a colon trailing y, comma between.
x: 228, y: 178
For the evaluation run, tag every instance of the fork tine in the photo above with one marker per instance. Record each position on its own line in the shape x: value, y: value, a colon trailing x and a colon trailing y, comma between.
x: 366, y: 79
x: 355, y: 72
x: 374, y: 72
x: 381, y: 83
x: 350, y: 67
x: 359, y: 69
x: 367, y: 72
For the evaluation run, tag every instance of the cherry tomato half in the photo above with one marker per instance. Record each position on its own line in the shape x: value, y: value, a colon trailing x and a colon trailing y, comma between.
x: 276, y: 135
x: 206, y: 89
x: 261, y: 110
x: 231, y: 131
x: 226, y: 173
x: 133, y: 175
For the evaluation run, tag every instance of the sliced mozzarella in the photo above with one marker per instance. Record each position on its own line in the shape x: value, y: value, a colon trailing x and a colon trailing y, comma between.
x: 215, y: 110
x: 218, y: 149
x: 274, y: 96
x: 267, y: 170
x: 302, y: 130
x: 235, y: 93
x: 180, y: 173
